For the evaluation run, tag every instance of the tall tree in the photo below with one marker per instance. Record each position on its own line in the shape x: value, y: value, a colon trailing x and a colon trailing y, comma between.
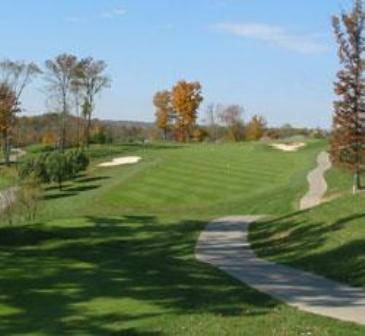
x: 92, y: 79
x: 9, y: 107
x: 77, y: 98
x: 212, y: 116
x: 232, y: 117
x: 15, y: 76
x: 256, y: 128
x: 164, y: 111
x: 60, y: 74
x: 186, y: 100
x: 348, y: 135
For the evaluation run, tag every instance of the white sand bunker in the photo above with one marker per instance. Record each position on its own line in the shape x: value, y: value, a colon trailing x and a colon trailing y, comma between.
x: 121, y: 161
x: 289, y: 147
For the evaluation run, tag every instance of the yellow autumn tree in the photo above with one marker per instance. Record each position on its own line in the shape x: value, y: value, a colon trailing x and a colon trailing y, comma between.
x: 186, y: 98
x: 164, y: 111
x: 49, y: 138
x: 256, y: 128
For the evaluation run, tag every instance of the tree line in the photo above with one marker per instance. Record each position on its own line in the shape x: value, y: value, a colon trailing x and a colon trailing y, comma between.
x: 72, y: 85
x: 177, y: 113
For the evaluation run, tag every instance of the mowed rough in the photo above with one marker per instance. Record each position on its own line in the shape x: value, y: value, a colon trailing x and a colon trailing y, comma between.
x: 97, y: 263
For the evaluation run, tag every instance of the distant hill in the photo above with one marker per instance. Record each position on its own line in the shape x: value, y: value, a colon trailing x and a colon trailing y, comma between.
x: 45, y: 128
x: 126, y: 123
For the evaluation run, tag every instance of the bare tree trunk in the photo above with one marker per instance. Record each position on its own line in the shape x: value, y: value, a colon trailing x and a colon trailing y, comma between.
x: 63, y: 133
x: 88, y: 127
x: 356, y: 182
x: 78, y: 122
x: 63, y: 122
x: 6, y: 148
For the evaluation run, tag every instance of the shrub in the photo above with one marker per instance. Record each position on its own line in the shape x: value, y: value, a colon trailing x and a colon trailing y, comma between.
x: 36, y: 167
x: 28, y: 196
x: 80, y: 161
x: 55, y: 167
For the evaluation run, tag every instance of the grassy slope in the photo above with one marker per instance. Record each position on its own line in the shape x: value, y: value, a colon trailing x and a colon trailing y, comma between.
x: 328, y: 240
x: 113, y: 253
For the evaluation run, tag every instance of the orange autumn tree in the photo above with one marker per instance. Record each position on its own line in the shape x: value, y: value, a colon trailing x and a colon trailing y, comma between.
x: 256, y: 128
x: 348, y: 135
x: 49, y: 138
x: 164, y: 111
x: 186, y: 98
x: 9, y: 107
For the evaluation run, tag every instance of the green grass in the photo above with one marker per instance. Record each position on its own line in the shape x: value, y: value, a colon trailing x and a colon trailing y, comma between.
x: 113, y: 253
x: 7, y: 177
x: 327, y: 240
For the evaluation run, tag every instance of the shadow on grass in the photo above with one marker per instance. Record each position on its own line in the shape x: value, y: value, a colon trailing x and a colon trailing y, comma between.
x: 79, y: 189
x: 59, y: 195
x: 298, y: 240
x: 71, y: 190
x: 83, y: 279
x: 93, y: 179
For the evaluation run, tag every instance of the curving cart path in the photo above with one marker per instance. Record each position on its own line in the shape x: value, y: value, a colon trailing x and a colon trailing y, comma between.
x: 224, y: 244
x: 317, y: 183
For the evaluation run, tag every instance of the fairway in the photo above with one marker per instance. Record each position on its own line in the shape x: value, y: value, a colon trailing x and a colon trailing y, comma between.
x: 113, y: 253
x: 213, y: 178
x: 182, y: 168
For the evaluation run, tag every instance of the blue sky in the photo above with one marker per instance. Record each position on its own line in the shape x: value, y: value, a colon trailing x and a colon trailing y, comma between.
x: 275, y: 57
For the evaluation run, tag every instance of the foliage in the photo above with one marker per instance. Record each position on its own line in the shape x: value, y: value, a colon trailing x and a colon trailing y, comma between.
x: 14, y: 78
x: 186, y: 98
x: 49, y: 138
x: 178, y: 109
x: 9, y: 107
x: 164, y: 111
x: 348, y: 136
x: 55, y: 167
x: 154, y: 217
x: 90, y: 78
x: 100, y: 134
x: 21, y: 202
x: 232, y: 117
x: 212, y: 116
x: 60, y: 74
x: 200, y: 134
x: 17, y: 75
x: 36, y: 167
x: 29, y: 194
x: 256, y: 128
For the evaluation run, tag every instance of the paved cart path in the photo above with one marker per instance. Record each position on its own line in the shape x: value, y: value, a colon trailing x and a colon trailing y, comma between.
x: 317, y: 183
x: 224, y: 244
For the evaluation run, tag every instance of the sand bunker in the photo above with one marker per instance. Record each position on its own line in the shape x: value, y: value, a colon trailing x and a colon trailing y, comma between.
x: 289, y: 147
x: 121, y: 161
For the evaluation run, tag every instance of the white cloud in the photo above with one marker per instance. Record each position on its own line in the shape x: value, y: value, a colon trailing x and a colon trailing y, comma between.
x: 275, y: 35
x: 117, y: 12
